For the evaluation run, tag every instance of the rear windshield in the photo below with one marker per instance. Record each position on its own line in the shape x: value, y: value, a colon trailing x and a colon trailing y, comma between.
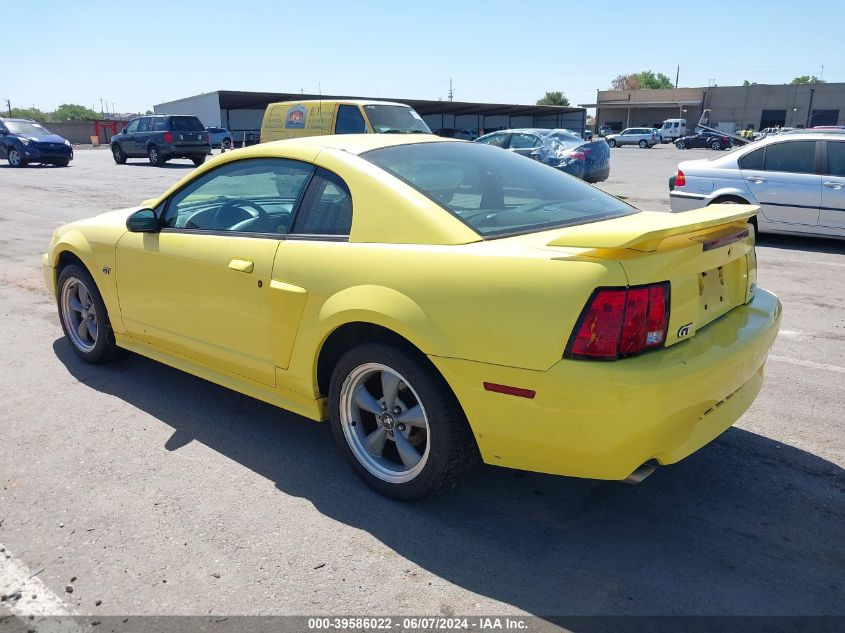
x: 390, y: 119
x: 496, y: 192
x: 186, y: 124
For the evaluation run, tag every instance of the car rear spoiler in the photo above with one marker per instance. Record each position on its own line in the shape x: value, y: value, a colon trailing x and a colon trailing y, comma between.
x: 647, y: 229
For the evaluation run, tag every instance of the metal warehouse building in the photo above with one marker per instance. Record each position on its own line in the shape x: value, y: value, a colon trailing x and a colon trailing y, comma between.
x: 242, y: 112
x: 731, y: 107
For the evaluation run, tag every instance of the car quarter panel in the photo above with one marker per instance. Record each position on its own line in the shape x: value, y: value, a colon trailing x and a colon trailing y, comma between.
x: 483, y: 302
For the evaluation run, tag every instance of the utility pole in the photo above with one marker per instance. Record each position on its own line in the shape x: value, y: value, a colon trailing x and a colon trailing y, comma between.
x: 451, y: 91
x: 677, y: 73
x: 9, y: 106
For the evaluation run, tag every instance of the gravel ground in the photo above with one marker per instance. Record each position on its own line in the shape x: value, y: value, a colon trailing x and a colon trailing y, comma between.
x: 161, y: 493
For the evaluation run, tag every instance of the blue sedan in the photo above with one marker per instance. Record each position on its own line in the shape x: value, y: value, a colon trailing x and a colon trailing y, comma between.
x: 23, y: 141
x: 220, y: 137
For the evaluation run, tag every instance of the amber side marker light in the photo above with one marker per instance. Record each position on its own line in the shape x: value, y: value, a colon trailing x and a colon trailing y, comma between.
x: 510, y: 391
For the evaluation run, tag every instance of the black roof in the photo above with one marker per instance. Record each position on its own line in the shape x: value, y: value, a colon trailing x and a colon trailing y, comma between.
x: 237, y: 100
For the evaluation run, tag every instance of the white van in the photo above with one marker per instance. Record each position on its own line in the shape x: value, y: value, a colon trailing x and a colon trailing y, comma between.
x: 673, y: 129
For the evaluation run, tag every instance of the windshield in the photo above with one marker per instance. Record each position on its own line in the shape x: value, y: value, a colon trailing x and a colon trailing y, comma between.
x: 26, y: 128
x: 391, y: 119
x: 186, y: 124
x: 496, y: 192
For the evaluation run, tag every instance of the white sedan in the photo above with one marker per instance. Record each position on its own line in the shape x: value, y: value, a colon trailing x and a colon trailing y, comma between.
x: 798, y: 180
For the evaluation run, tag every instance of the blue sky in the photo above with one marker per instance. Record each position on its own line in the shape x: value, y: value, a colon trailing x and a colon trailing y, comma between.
x: 136, y: 55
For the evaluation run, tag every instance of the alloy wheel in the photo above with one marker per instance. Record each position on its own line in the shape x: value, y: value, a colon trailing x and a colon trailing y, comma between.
x: 79, y: 314
x: 384, y: 423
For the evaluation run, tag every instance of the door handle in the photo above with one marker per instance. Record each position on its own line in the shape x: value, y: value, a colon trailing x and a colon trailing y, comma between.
x: 242, y: 265
x: 833, y: 185
x: 756, y: 179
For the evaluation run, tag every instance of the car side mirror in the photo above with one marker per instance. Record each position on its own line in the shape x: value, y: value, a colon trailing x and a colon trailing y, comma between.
x: 123, y: 131
x: 143, y: 221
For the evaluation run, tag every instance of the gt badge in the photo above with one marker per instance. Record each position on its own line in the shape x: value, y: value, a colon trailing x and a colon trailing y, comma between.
x: 684, y: 330
x: 106, y: 270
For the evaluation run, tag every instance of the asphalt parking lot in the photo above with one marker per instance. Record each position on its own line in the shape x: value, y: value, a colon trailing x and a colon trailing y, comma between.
x: 164, y: 494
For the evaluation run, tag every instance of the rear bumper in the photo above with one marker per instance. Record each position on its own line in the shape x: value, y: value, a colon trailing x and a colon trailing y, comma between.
x: 185, y: 151
x: 683, y: 201
x: 604, y: 419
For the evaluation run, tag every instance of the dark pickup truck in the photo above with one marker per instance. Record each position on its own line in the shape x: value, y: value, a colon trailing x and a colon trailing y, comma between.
x: 161, y: 137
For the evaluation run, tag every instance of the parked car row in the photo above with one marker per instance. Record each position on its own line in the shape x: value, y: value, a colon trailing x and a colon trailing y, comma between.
x: 561, y: 149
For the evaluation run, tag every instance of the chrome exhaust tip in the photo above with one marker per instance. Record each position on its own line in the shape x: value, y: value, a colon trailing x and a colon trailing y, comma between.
x: 640, y: 473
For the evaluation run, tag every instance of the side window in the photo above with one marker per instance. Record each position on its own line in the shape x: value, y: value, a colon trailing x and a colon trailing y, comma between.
x: 249, y: 196
x: 797, y: 157
x: 495, y: 139
x: 350, y: 120
x: 836, y: 158
x: 753, y: 160
x: 326, y: 208
x: 133, y: 126
x: 159, y: 124
x: 145, y: 124
x: 523, y: 141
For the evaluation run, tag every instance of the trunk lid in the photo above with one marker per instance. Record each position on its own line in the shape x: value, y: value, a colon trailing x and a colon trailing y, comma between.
x: 707, y: 255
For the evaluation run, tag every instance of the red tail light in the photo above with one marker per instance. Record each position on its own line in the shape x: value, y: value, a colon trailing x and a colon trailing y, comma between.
x: 680, y: 179
x: 577, y: 155
x: 621, y: 322
x: 168, y: 137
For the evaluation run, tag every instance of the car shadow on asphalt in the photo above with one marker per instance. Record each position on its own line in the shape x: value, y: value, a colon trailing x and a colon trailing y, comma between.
x: 797, y: 243
x: 745, y: 526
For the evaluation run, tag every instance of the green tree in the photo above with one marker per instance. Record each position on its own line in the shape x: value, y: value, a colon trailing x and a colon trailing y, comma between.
x: 644, y: 80
x: 28, y: 113
x: 74, y: 112
x: 745, y: 82
x: 807, y: 79
x: 554, y: 98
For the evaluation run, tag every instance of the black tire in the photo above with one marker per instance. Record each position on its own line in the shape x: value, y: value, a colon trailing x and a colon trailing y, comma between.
x: 681, y: 145
x: 104, y: 348
x: 226, y: 144
x: 15, y: 158
x: 155, y: 157
x: 451, y: 445
x: 118, y: 154
x: 643, y: 144
x: 729, y: 200
x: 612, y: 142
x: 717, y: 145
x: 62, y: 163
x: 198, y: 160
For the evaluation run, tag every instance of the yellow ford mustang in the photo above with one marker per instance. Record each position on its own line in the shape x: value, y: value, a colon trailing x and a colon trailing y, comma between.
x: 435, y: 300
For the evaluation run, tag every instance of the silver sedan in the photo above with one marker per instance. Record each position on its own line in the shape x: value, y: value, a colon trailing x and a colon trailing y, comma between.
x: 797, y: 179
